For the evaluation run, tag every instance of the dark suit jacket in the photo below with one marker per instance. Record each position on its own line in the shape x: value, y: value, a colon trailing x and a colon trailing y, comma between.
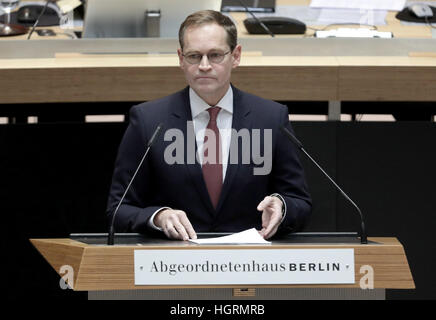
x: 181, y: 186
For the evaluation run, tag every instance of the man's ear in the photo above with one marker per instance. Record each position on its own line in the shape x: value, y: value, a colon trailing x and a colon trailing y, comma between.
x: 181, y: 57
x: 237, y: 56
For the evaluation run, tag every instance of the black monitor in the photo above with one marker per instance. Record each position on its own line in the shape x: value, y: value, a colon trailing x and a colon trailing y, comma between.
x: 139, y: 18
x: 253, y: 5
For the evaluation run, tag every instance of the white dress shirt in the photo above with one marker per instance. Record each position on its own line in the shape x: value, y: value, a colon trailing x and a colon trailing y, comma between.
x: 200, y: 118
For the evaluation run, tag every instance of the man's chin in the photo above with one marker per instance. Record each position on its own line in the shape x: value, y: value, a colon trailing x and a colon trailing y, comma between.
x: 205, y: 89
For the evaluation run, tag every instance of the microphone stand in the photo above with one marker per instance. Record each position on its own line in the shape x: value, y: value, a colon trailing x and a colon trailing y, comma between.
x: 111, y: 235
x: 363, y: 236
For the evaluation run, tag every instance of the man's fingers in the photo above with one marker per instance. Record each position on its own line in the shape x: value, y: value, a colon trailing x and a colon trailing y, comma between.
x: 267, y: 229
x: 182, y: 234
x: 171, y: 232
x: 262, y: 231
x: 264, y: 203
x: 165, y: 230
x: 177, y: 225
x: 188, y: 227
x: 271, y: 215
x: 269, y: 234
x: 270, y: 226
x: 270, y: 223
x: 184, y: 227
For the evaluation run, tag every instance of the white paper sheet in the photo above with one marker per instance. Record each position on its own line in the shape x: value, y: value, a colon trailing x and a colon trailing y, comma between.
x: 302, y: 13
x: 250, y: 236
x: 394, y: 5
x: 365, y: 17
x: 318, y: 16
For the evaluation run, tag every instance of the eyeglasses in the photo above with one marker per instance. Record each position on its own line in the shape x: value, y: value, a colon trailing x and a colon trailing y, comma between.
x: 212, y: 57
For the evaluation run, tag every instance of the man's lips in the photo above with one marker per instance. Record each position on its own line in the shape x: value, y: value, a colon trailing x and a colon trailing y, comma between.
x: 204, y: 78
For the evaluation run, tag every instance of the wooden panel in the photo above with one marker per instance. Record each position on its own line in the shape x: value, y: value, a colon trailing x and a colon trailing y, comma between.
x: 387, y: 83
x: 146, y: 77
x: 111, y: 268
x: 247, y: 292
x: 136, y: 83
x: 288, y: 83
x: 107, y: 268
x: 89, y: 84
x: 61, y: 252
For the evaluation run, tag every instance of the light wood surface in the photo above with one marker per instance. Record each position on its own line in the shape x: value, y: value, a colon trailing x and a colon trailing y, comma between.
x: 99, y: 267
x: 79, y: 77
x: 142, y: 78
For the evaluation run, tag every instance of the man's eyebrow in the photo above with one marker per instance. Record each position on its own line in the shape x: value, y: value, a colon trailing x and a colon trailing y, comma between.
x: 198, y: 51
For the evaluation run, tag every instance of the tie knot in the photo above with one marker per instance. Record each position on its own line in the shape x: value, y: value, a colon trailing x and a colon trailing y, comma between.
x: 213, y: 113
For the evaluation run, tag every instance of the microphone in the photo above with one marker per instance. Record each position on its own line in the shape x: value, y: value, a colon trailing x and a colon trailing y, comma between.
x: 256, y: 18
x: 363, y: 236
x: 111, y: 235
x: 37, y: 19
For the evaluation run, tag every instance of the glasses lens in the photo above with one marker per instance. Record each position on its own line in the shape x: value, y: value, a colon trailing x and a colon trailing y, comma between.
x: 193, y: 58
x: 212, y: 57
x: 215, y: 57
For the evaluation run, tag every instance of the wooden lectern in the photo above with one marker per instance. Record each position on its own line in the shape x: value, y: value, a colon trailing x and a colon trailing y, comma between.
x: 108, y: 271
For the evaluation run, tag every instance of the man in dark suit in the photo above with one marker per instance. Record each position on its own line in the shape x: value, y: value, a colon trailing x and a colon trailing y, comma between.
x: 222, y: 164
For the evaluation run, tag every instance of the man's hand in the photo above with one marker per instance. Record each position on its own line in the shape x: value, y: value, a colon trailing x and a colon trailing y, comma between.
x: 271, y: 208
x: 175, y: 224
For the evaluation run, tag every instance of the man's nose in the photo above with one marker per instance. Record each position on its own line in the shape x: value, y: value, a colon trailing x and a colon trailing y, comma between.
x: 204, y: 63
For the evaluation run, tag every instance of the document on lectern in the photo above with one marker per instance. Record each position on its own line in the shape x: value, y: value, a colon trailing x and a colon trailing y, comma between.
x: 250, y: 236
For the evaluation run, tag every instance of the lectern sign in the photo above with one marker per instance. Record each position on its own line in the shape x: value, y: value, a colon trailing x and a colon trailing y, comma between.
x: 244, y: 266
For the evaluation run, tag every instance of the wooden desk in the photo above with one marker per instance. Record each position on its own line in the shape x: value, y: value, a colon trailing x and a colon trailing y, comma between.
x: 393, y: 25
x: 287, y: 68
x: 140, y: 77
x: 102, y: 268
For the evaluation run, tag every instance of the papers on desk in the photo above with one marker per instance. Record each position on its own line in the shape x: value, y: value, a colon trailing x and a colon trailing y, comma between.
x: 365, y: 12
x: 250, y: 236
x: 319, y: 16
x: 68, y: 5
x: 352, y: 33
x: 394, y: 5
x: 359, y: 16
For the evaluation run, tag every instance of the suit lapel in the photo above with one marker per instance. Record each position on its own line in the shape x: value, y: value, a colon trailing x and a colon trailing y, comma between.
x: 241, y: 120
x: 180, y: 117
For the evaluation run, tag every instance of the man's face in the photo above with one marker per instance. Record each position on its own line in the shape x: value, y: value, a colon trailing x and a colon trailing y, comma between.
x: 208, y: 79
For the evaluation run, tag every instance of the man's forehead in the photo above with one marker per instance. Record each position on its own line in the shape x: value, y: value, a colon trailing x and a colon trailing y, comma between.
x: 210, y: 35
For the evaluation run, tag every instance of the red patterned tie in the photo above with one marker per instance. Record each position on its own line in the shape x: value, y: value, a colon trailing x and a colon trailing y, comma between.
x: 212, y: 166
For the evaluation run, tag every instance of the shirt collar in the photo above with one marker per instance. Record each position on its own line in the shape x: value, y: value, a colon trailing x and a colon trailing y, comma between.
x: 198, y: 105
